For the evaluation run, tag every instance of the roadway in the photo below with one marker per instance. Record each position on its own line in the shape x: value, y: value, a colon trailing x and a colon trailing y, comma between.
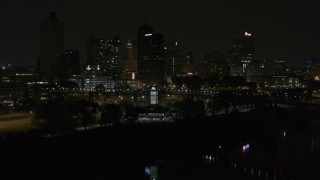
x: 16, y: 122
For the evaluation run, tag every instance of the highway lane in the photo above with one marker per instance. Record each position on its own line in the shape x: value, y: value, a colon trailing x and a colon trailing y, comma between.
x: 15, y: 123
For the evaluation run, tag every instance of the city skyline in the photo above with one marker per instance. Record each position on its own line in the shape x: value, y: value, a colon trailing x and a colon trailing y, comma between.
x: 284, y: 31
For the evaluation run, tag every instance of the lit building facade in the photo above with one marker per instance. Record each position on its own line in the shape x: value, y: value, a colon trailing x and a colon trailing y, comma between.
x: 312, y: 68
x: 242, y: 52
x: 129, y: 64
x: 154, y: 96
x: 276, y: 82
x: 172, y: 59
x: 89, y: 82
x: 105, y: 53
x: 19, y: 81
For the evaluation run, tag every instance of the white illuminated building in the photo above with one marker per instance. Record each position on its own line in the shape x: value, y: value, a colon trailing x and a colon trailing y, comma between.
x: 154, y: 96
x: 154, y: 112
x: 89, y: 82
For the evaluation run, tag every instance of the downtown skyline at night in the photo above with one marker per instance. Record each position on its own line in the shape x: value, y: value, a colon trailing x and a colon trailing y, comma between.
x: 159, y: 90
x: 284, y: 31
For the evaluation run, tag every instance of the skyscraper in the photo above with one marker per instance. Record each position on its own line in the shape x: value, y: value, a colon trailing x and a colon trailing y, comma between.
x: 150, y: 55
x: 215, y: 63
x: 69, y: 64
x: 129, y: 63
x: 172, y: 59
x: 51, y: 43
x: 105, y: 53
x: 242, y: 52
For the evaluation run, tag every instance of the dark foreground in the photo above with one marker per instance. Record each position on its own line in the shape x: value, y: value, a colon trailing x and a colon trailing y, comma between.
x: 208, y: 149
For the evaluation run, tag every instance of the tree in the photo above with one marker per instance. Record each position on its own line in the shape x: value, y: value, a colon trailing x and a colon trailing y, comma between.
x: 85, y: 111
x: 225, y: 99
x: 100, y: 88
x: 111, y: 114
x: 132, y: 112
x: 55, y: 116
x: 190, y: 108
x: 193, y: 82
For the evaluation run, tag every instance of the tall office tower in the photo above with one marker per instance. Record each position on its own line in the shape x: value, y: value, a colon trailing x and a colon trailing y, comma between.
x: 216, y: 64
x: 105, y: 54
x: 177, y: 62
x: 68, y: 64
x: 129, y: 63
x: 187, y: 65
x: 242, y: 52
x: 51, y: 43
x: 172, y: 59
x: 150, y: 55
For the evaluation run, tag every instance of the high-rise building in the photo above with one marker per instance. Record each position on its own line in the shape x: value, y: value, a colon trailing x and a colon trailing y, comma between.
x: 129, y: 63
x: 105, y: 53
x: 69, y: 64
x: 242, y: 52
x: 172, y: 59
x: 150, y: 55
x: 51, y: 43
x: 216, y: 64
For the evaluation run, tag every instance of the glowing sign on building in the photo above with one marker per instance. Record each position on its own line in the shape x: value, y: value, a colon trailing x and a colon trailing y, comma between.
x: 247, y: 34
x: 148, y: 35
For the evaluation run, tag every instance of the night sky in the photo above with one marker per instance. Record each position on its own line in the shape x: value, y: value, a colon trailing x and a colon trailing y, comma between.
x: 285, y: 30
